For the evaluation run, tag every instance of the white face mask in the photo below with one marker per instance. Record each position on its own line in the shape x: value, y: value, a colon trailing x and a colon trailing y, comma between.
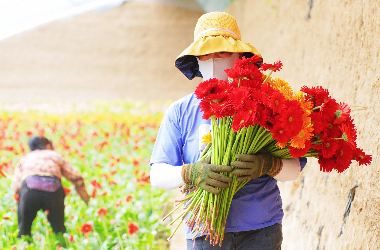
x: 214, y: 68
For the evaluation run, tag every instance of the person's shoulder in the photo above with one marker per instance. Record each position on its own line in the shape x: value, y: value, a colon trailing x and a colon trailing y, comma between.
x: 51, y: 153
x: 184, y: 102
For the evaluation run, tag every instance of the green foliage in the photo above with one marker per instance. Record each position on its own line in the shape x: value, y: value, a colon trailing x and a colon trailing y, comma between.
x: 109, y: 143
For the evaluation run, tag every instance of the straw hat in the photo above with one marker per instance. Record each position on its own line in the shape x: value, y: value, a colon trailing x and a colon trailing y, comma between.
x: 214, y: 32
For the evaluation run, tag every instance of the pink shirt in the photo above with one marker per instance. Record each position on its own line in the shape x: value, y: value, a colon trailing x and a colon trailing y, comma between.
x: 43, y: 163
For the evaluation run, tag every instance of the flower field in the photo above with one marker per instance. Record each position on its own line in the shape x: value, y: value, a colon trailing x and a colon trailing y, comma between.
x: 110, y: 143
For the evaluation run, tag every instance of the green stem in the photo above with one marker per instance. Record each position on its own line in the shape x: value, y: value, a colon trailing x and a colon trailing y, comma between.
x: 267, y: 76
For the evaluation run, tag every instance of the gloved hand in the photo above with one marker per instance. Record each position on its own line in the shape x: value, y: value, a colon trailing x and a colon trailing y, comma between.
x: 206, y: 176
x: 253, y: 166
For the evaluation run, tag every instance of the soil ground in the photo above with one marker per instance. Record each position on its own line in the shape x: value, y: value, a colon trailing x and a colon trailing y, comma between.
x: 128, y: 53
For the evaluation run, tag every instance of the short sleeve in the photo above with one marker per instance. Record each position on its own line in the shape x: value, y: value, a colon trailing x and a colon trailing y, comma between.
x: 168, y: 146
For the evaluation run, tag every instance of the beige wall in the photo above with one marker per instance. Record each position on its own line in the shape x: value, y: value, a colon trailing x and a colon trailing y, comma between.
x: 337, y: 48
x: 125, y: 52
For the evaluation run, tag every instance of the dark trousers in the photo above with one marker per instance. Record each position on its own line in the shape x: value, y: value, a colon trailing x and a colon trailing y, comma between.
x: 32, y: 200
x: 268, y: 238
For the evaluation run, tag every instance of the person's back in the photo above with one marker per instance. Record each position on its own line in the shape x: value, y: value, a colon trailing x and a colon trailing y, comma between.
x: 37, y: 182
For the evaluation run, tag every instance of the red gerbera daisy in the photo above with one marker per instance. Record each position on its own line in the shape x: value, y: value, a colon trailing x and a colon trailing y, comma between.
x: 96, y: 184
x: 102, y: 212
x: 240, y: 120
x: 342, y: 114
x: 328, y: 110
x: 344, y: 155
x: 317, y: 95
x: 279, y: 133
x: 204, y: 88
x: 86, y: 228
x: 326, y: 165
x: 277, y: 102
x: 329, y: 147
x: 300, y: 152
x: 132, y: 228
x: 317, y: 122
x: 291, y: 118
x: 361, y: 157
x: 238, y: 97
x: 349, y: 133
x: 275, y: 67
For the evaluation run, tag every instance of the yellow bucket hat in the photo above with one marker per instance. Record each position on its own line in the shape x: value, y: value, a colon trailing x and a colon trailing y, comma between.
x: 214, y: 32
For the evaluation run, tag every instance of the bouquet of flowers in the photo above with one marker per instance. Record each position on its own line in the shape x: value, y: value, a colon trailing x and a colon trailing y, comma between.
x: 251, y: 112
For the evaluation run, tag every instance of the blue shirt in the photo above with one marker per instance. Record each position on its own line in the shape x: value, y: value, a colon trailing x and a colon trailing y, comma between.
x: 256, y: 205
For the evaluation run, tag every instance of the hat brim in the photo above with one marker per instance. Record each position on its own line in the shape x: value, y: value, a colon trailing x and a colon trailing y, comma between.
x: 187, y: 62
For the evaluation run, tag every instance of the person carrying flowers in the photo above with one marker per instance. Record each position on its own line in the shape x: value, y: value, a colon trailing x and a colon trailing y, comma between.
x: 37, y: 183
x: 255, y: 215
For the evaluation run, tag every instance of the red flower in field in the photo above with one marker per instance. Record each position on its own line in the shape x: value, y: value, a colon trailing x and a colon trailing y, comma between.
x: 96, y: 184
x: 47, y: 211
x: 104, y: 175
x: 97, y: 165
x: 132, y: 228
x: 102, y: 212
x: 118, y: 204
x: 135, y: 163
x: 129, y: 198
x: 59, y: 247
x: 103, y: 194
x: 6, y: 218
x: 275, y: 67
x: 112, y: 183
x: 93, y: 194
x: 86, y: 228
x: 71, y: 238
x: 16, y: 197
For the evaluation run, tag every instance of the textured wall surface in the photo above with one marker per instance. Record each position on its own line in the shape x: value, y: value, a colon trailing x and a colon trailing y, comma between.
x: 337, y: 48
